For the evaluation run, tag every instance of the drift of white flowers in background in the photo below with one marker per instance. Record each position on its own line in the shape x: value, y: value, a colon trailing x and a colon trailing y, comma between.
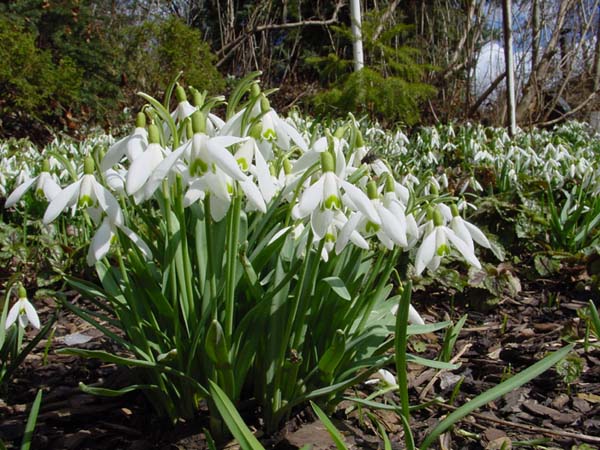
x: 331, y: 189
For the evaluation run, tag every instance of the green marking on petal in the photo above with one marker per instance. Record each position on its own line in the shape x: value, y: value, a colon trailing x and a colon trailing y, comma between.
x: 198, y: 168
x: 372, y: 227
x: 443, y: 250
x: 329, y: 237
x: 333, y: 202
x: 243, y: 164
x: 269, y: 134
x: 85, y: 201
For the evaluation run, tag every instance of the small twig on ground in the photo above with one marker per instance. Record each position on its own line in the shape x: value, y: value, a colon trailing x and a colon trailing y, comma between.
x: 427, y: 388
x: 530, y: 428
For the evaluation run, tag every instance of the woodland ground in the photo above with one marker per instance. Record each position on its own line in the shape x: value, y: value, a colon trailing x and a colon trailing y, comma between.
x: 548, y: 412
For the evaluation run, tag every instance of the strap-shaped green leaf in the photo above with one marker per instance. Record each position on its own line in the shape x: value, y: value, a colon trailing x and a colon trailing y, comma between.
x: 232, y: 419
x: 497, y: 391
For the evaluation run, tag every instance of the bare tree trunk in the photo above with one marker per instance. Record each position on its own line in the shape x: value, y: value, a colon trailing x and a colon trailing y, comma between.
x: 596, y: 66
x: 357, y: 47
x: 527, y: 102
x: 508, y: 59
x: 535, y: 31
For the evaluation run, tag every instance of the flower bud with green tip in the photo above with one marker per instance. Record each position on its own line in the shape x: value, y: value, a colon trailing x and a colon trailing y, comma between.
x: 216, y: 346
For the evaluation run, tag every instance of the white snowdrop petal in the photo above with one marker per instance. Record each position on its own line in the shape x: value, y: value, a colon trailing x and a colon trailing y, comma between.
x: 478, y: 235
x: 67, y: 197
x: 311, y: 198
x: 425, y: 253
x: 362, y: 202
x: 19, y: 192
x: 100, y: 244
x: 462, y: 248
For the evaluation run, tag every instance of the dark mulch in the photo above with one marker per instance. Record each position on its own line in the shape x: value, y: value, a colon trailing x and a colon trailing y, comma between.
x: 491, y: 347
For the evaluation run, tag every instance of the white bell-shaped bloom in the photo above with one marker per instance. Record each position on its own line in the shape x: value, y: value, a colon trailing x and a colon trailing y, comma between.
x: 85, y: 192
x: 322, y: 198
x: 435, y: 245
x: 22, y: 310
x: 45, y: 185
x: 103, y: 238
x: 142, y: 167
x: 467, y: 231
x: 130, y: 146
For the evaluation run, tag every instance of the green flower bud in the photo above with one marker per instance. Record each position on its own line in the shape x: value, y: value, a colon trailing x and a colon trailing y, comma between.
x: 216, y: 347
x: 265, y: 106
x: 198, y: 98
x: 88, y: 165
x: 359, y: 139
x: 153, y: 134
x: 327, y: 164
x: 454, y: 210
x: 198, y: 122
x: 287, y: 166
x: 22, y: 292
x: 389, y: 184
x: 372, y: 190
x: 339, y: 133
x: 334, y: 354
x: 180, y: 94
x: 189, y: 129
x: 438, y: 219
x: 254, y: 90
x: 255, y: 131
x: 434, y: 190
x: 140, y: 120
x: 45, y: 166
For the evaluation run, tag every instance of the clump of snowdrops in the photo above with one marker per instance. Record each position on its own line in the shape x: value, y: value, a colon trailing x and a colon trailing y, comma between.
x: 243, y: 254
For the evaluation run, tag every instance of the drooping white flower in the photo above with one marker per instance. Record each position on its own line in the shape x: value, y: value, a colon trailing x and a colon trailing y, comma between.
x: 130, y: 146
x: 45, y: 185
x: 184, y: 107
x: 391, y: 229
x: 100, y: 244
x: 142, y: 167
x: 435, y: 245
x: 321, y: 198
x: 250, y: 159
x: 467, y: 231
x: 22, y: 310
x: 85, y: 192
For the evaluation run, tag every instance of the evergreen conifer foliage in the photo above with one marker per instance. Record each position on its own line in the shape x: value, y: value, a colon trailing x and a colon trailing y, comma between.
x: 389, y: 88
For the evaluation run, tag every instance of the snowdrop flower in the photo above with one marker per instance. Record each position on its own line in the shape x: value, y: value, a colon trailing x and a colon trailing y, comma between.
x: 435, y: 245
x: 467, y: 231
x: 323, y: 197
x: 390, y: 230
x: 184, y: 107
x: 130, y: 146
x: 45, y: 185
x: 250, y: 158
x: 85, y: 192
x: 143, y: 166
x: 101, y: 241
x: 414, y: 318
x: 24, y: 311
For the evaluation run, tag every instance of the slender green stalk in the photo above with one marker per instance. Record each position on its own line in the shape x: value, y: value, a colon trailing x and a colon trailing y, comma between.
x: 232, y: 247
x: 401, y: 341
